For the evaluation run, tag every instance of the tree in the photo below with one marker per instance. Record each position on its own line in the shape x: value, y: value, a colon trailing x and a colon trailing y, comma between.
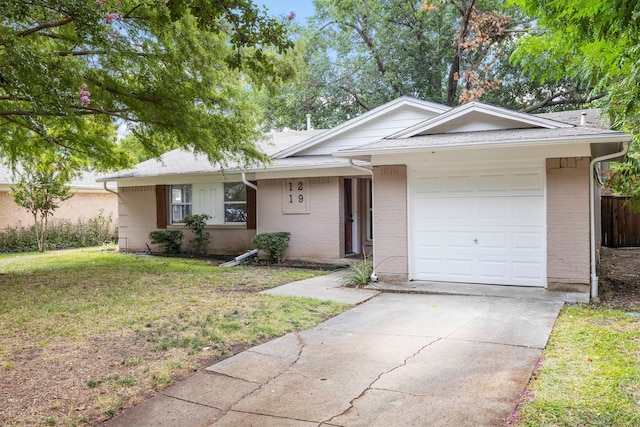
x: 40, y: 188
x: 176, y: 73
x: 597, y: 44
x: 358, y: 54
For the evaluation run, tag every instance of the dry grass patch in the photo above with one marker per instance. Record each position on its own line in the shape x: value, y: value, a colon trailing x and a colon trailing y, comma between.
x: 87, y: 333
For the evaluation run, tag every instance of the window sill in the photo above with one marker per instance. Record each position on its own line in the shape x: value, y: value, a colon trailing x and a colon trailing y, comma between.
x: 213, y: 226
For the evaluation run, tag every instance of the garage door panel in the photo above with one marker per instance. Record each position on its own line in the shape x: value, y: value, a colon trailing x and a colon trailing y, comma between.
x: 480, y: 227
x: 493, y: 270
x: 531, y: 240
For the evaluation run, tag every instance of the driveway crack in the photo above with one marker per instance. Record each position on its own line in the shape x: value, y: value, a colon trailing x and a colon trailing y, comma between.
x: 260, y: 386
x: 370, y: 386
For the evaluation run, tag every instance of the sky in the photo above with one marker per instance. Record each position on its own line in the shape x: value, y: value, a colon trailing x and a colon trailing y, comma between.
x: 302, y: 8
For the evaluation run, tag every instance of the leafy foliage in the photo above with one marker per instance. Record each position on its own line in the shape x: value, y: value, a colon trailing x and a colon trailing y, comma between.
x: 169, y: 240
x: 197, y: 223
x: 61, y: 235
x: 356, y: 55
x: 597, y: 44
x: 176, y: 74
x: 359, y: 273
x: 40, y: 188
x: 274, y: 244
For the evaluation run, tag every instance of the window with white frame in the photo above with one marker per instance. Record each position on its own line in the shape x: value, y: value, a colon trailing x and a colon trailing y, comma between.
x: 235, y: 202
x: 181, y: 202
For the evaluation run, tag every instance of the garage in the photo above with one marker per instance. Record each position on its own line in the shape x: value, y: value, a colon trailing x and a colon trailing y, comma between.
x: 483, y: 225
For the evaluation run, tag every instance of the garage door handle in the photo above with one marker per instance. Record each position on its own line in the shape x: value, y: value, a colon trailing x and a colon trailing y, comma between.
x: 475, y: 241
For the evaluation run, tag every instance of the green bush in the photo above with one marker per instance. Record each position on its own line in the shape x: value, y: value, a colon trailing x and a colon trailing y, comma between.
x: 169, y: 240
x: 274, y: 244
x: 197, y: 223
x: 61, y: 234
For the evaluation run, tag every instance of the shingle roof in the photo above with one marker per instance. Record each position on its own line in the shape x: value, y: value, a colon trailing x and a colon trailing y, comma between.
x: 87, y: 180
x: 178, y: 162
x: 490, y: 137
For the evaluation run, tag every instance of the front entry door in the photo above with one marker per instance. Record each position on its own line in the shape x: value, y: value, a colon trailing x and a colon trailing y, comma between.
x: 348, y: 217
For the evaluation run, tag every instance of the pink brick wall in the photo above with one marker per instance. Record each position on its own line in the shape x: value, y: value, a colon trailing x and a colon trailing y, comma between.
x: 138, y: 218
x: 567, y: 221
x: 317, y: 234
x: 81, y: 205
x: 390, y: 222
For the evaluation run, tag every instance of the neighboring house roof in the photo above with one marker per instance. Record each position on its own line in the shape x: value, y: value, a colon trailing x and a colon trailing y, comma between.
x: 86, y: 181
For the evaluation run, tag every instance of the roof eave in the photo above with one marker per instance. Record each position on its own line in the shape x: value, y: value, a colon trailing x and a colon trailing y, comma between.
x: 619, y: 137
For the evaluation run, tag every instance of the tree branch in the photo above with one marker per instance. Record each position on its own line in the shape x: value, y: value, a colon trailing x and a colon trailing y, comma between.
x: 45, y: 26
x: 355, y: 97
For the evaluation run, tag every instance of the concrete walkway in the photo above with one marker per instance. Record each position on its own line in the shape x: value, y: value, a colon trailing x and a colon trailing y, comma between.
x: 395, y: 360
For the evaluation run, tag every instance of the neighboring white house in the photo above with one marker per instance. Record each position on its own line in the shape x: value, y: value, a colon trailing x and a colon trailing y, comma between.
x: 476, y: 194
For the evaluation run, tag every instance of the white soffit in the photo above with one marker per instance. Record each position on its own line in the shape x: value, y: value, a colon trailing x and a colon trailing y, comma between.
x: 477, y: 116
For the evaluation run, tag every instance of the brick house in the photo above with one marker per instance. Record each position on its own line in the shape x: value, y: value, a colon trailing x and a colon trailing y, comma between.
x: 474, y: 194
x: 89, y: 199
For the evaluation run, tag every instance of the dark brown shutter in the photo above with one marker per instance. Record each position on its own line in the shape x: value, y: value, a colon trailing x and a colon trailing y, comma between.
x: 161, y: 206
x: 251, y: 207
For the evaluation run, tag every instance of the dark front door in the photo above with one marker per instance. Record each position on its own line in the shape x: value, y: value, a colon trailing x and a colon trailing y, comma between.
x: 348, y: 217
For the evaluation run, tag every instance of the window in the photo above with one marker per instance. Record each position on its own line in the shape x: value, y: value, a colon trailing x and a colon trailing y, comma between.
x: 181, y: 203
x: 235, y: 202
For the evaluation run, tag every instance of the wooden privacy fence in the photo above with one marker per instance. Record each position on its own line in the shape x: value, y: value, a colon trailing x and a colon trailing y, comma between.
x: 620, y: 226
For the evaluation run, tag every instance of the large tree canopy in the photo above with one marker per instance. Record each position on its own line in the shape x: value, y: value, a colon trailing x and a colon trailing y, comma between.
x: 358, y: 54
x: 176, y: 73
x: 596, y: 43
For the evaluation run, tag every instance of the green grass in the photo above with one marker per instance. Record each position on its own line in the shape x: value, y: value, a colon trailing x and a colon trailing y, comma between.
x: 170, y: 314
x: 590, y: 375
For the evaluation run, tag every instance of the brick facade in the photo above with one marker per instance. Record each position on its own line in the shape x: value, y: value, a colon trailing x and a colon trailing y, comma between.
x: 137, y: 208
x: 390, y: 249
x: 83, y: 205
x: 317, y: 233
x: 568, y: 221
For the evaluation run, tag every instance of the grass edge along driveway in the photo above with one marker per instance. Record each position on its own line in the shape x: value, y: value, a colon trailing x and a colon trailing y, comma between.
x: 589, y: 374
x: 87, y: 333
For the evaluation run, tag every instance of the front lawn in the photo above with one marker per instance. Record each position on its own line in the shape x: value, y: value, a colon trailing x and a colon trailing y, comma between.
x: 87, y: 333
x: 589, y: 374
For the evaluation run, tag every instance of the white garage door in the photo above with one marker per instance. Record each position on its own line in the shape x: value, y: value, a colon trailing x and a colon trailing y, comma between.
x: 484, y: 226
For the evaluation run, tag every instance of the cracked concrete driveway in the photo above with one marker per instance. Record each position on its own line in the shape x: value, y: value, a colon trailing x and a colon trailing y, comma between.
x: 395, y: 360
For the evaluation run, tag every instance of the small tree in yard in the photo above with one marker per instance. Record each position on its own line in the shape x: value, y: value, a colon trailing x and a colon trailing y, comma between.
x: 40, y: 188
x: 196, y: 223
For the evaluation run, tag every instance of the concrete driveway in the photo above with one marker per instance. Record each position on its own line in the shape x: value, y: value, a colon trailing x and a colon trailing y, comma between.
x: 394, y: 360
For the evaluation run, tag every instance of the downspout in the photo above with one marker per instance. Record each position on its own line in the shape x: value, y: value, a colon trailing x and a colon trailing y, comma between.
x: 247, y: 183
x: 592, y: 213
x: 369, y: 171
x: 104, y: 183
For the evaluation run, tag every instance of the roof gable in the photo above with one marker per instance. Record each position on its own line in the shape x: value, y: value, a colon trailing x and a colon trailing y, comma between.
x: 477, y: 116
x: 367, y: 126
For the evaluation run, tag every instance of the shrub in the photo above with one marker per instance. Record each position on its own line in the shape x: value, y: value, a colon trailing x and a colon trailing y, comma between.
x: 359, y: 273
x: 274, y: 244
x: 61, y: 234
x: 169, y: 240
x: 196, y: 223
